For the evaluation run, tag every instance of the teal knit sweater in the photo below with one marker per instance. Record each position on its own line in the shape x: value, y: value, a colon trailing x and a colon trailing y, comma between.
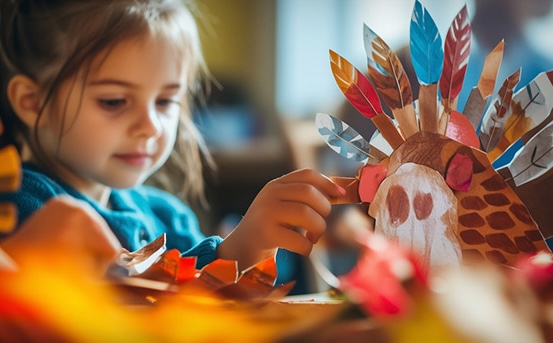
x: 136, y: 216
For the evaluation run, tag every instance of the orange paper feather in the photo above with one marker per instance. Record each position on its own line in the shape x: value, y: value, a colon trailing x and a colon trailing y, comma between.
x: 362, y: 95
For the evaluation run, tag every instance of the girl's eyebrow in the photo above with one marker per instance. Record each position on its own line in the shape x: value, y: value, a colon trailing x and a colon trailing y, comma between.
x: 115, y: 82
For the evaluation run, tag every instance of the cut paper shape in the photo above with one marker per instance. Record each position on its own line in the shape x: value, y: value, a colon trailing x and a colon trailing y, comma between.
x: 10, y: 169
x: 494, y: 120
x: 257, y: 282
x: 534, y: 159
x: 361, y: 94
x: 370, y: 178
x: 460, y: 129
x: 186, y: 270
x: 415, y: 206
x: 393, y: 84
x: 476, y: 102
x: 216, y: 275
x: 154, y: 270
x: 8, y: 217
x: 342, y: 138
x: 139, y: 261
x: 456, y: 56
x: 351, y: 186
x: 531, y: 105
x: 459, y: 173
x: 427, y: 52
x: 427, y: 55
x: 10, y: 180
x: 165, y: 267
x: 507, y: 156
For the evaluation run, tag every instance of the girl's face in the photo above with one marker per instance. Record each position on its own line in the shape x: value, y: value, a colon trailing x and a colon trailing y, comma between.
x: 121, y: 122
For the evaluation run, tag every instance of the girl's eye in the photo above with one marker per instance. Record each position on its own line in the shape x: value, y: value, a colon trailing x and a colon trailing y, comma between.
x: 166, y: 105
x: 112, y: 104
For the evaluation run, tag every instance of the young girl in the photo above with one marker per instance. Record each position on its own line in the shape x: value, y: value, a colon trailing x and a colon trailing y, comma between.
x: 96, y: 98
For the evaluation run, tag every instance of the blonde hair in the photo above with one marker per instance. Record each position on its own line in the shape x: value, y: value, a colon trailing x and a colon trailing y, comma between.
x: 50, y: 41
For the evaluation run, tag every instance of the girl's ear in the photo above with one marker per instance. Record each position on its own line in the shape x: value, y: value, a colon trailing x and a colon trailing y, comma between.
x: 24, y: 97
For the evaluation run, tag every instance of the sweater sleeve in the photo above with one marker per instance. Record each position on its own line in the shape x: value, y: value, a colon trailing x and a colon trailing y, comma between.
x: 181, y: 226
x: 205, y: 251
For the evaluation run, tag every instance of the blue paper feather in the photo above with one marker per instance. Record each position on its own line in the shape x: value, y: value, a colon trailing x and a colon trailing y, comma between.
x: 427, y: 52
x: 342, y: 138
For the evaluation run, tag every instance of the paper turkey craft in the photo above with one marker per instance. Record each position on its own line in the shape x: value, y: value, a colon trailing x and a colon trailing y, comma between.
x: 428, y: 174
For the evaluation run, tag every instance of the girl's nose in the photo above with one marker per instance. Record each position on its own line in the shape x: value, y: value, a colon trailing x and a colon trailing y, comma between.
x: 148, y: 123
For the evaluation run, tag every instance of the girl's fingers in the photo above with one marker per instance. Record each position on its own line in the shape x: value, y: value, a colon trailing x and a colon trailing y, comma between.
x: 302, y: 193
x: 288, y: 213
x: 294, y: 241
x: 300, y: 216
x: 309, y: 176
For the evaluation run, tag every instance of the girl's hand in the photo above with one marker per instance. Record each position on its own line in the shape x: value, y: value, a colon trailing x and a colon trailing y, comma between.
x: 289, y: 212
x: 64, y: 232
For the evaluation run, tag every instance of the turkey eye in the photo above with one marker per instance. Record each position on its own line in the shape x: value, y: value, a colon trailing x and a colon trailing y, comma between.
x: 397, y: 203
x: 423, y: 205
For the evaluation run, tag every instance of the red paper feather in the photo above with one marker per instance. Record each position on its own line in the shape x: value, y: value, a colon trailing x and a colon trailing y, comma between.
x: 355, y: 86
x: 456, y: 56
x: 362, y: 95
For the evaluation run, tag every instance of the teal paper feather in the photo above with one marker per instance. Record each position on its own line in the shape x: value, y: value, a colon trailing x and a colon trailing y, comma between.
x: 426, y: 47
x: 342, y: 138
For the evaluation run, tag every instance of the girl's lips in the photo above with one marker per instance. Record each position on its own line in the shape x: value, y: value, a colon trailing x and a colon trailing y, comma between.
x: 134, y: 160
